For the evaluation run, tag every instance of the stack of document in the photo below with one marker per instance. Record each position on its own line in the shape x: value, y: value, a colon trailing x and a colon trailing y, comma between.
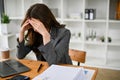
x: 57, y: 72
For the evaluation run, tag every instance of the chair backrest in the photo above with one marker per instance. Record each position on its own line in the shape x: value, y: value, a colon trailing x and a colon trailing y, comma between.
x: 77, y: 55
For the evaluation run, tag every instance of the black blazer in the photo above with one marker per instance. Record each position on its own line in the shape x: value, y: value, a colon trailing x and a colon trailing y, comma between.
x: 54, y: 52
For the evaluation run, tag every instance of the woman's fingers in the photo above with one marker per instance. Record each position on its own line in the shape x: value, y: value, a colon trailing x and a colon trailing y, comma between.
x: 26, y: 22
x: 35, y: 20
x: 26, y: 26
x: 35, y: 25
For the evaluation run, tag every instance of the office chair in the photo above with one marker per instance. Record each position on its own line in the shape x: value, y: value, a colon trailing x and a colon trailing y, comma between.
x: 77, y: 55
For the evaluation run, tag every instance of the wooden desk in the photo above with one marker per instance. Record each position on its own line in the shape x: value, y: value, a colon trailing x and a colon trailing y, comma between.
x: 33, y: 65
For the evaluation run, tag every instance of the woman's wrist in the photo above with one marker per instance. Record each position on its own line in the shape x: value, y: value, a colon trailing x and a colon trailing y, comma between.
x: 21, y: 36
x: 21, y: 30
x: 46, y: 37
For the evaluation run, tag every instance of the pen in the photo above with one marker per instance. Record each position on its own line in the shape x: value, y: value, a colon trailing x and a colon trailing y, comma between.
x: 39, y: 68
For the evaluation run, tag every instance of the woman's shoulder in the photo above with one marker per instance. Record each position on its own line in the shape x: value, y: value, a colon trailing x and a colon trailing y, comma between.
x: 63, y: 29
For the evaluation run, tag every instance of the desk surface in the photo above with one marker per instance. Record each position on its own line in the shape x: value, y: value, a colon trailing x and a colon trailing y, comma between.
x: 33, y: 65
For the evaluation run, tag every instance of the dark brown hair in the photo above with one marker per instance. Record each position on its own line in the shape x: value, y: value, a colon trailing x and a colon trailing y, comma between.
x: 42, y: 13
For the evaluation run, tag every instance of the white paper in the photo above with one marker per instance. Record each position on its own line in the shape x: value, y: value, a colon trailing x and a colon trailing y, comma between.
x: 56, y: 72
x: 89, y: 73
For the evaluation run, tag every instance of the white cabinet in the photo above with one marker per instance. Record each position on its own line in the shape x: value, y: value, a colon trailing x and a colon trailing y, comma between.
x: 113, y: 48
x: 7, y: 42
x: 85, y: 34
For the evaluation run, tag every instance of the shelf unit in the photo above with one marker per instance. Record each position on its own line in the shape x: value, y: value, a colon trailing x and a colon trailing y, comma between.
x: 72, y: 13
x: 9, y: 42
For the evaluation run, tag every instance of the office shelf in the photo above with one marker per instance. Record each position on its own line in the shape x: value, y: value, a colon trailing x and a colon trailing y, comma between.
x: 85, y: 34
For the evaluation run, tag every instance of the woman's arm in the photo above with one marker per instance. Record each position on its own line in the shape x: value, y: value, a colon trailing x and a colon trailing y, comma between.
x: 24, y: 27
x: 22, y: 49
x: 56, y: 51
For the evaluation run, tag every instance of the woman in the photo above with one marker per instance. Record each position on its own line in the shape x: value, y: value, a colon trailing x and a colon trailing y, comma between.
x: 44, y: 36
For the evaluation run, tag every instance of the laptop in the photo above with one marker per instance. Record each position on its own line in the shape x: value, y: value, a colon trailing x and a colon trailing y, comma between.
x: 11, y: 67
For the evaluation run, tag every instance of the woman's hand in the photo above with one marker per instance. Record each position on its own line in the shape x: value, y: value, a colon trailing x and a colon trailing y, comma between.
x: 40, y: 28
x: 24, y: 27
